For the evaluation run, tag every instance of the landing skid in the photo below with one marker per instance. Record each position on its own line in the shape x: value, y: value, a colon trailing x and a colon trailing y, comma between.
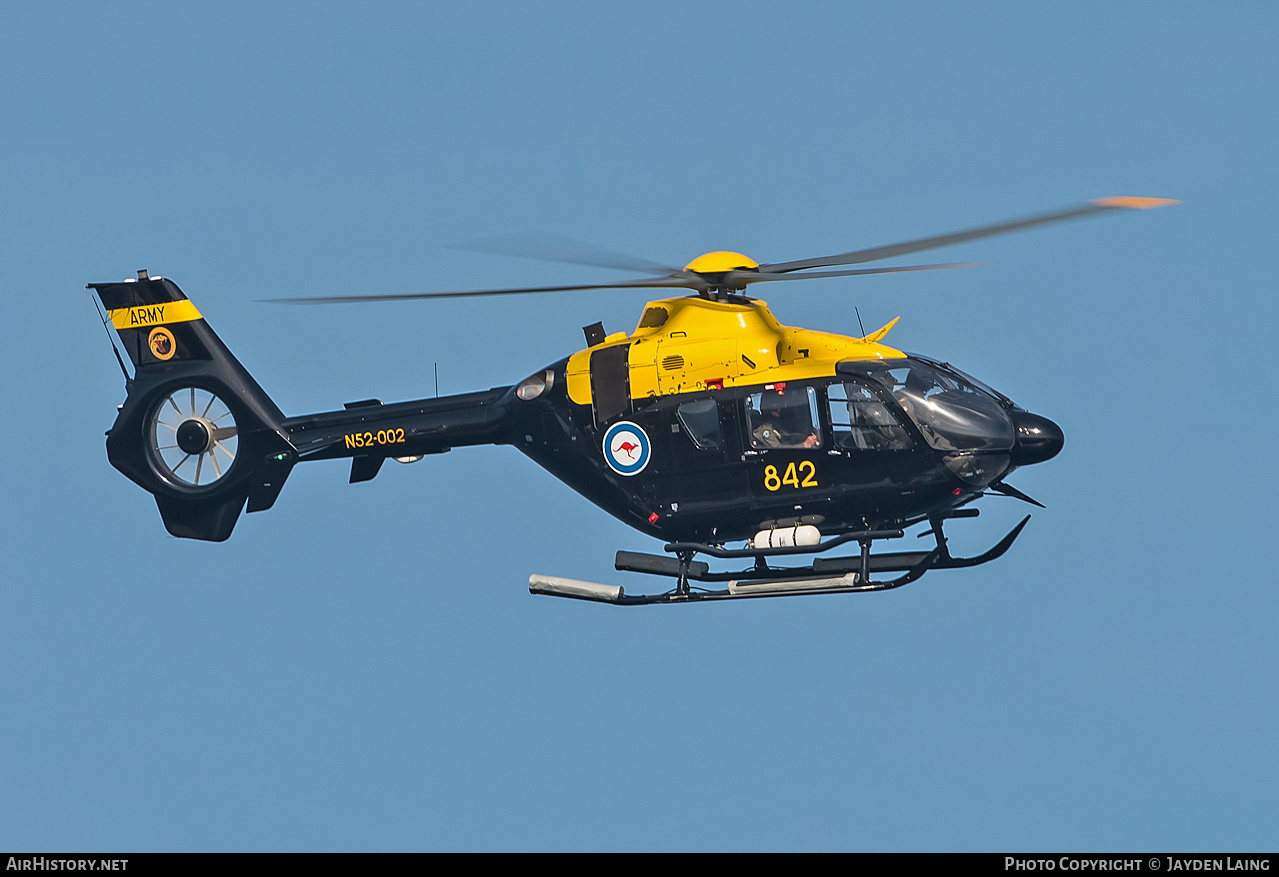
x: 825, y: 575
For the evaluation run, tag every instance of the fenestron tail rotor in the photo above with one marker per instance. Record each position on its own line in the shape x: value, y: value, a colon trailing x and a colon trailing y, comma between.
x: 725, y: 274
x: 193, y: 438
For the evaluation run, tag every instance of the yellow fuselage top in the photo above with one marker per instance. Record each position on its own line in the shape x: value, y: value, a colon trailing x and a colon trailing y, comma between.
x: 685, y: 345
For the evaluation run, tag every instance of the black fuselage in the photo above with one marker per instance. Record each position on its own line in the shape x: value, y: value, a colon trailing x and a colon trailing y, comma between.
x: 707, y: 476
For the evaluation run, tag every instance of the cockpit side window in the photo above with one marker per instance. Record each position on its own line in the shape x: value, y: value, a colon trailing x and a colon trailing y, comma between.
x: 861, y: 421
x: 783, y: 417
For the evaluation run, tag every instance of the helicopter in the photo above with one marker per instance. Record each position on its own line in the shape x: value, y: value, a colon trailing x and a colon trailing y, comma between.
x: 711, y: 424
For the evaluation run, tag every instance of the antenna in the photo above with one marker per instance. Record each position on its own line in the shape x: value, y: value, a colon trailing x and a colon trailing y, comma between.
x: 127, y: 380
x: 437, y: 380
x: 859, y: 320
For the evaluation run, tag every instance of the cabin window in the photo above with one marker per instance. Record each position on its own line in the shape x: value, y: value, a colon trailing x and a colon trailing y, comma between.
x: 861, y: 421
x: 783, y: 417
x: 653, y: 317
x: 701, y: 421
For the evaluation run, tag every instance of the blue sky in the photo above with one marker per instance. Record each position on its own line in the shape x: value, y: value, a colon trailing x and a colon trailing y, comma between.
x: 362, y: 668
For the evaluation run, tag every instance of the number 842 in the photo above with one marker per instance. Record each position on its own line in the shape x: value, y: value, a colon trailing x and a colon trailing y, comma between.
x: 803, y: 475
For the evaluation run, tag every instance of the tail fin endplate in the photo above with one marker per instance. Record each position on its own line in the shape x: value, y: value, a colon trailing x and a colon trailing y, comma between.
x: 196, y: 430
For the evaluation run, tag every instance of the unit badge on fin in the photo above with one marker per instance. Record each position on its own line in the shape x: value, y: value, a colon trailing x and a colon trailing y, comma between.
x: 161, y: 343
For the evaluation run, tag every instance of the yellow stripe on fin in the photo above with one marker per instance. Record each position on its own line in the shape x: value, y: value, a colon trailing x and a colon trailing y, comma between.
x: 154, y: 315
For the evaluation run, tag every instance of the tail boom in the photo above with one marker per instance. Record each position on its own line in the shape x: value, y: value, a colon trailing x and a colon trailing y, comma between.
x: 199, y: 433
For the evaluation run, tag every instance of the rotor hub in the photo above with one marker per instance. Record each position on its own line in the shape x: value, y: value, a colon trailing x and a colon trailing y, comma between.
x: 194, y: 436
x: 720, y: 262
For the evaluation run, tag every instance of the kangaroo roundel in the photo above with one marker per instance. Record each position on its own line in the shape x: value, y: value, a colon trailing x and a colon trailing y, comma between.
x: 626, y: 448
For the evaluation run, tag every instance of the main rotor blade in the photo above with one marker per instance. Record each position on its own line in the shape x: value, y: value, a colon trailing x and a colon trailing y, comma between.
x: 685, y: 280
x: 748, y: 277
x: 694, y: 283
x: 548, y: 247
x: 873, y: 254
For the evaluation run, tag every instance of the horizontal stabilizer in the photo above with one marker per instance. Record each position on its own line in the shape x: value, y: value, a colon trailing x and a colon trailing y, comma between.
x: 365, y: 468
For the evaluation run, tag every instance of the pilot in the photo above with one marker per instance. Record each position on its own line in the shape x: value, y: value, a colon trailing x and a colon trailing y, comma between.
x: 783, y: 425
x: 874, y: 428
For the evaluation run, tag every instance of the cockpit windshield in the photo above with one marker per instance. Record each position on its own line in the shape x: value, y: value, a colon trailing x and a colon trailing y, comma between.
x: 981, y: 385
x: 951, y: 413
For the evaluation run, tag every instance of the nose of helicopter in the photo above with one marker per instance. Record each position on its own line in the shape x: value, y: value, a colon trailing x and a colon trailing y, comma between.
x: 1038, y: 438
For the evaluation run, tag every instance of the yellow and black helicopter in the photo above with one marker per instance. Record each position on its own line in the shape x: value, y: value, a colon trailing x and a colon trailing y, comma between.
x: 710, y: 424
